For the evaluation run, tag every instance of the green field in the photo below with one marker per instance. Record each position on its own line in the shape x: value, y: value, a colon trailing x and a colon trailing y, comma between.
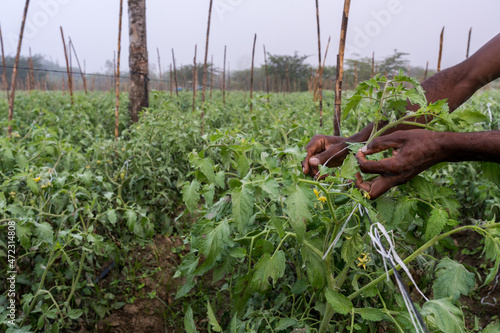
x: 221, y: 231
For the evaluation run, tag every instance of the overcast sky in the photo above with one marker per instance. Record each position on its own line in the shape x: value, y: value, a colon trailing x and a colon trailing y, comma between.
x: 284, y: 26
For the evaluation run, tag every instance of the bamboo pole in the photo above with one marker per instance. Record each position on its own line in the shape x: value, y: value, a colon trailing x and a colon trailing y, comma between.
x: 373, y: 64
x: 14, y: 71
x: 175, y: 75
x: 441, y: 37
x: 159, y: 68
x: 212, y: 76
x: 224, y: 78
x: 70, y: 86
x: 171, y: 81
x: 117, y: 90
x: 251, y: 73
x: 206, y: 58
x: 4, y: 73
x: 340, y: 70
x: 468, y: 43
x: 195, y: 74
x: 319, y: 81
x: 426, y: 68
x: 267, y: 74
x: 84, y: 79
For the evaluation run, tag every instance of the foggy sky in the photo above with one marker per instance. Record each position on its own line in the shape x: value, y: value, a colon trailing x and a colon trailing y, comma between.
x: 284, y: 26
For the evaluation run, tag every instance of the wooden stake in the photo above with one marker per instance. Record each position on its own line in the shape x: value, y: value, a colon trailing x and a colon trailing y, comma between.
x: 224, y: 78
x: 468, y: 43
x: 171, y: 81
x: 175, y: 75
x: 4, y: 73
x: 206, y: 58
x: 267, y: 75
x: 195, y: 74
x: 117, y: 90
x: 440, y: 50
x: 251, y: 73
x: 14, y: 71
x: 159, y: 68
x: 212, y: 75
x: 319, y: 82
x: 426, y: 68
x: 373, y: 64
x: 340, y: 70
x: 70, y: 86
x: 84, y: 79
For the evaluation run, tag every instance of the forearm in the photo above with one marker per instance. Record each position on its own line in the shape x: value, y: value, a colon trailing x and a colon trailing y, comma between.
x: 476, y: 146
x: 456, y: 84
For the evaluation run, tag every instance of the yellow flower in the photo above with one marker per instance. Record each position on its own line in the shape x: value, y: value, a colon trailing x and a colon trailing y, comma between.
x: 13, y: 194
x: 316, y: 192
x: 366, y: 195
x: 322, y: 199
x: 98, y: 162
x: 37, y: 179
x: 363, y: 260
x: 87, y: 167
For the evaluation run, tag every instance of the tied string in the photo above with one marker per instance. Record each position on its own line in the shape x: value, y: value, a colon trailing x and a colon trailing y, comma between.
x: 377, y: 231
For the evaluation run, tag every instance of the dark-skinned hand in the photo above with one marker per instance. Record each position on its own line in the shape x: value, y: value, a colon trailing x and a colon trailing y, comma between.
x: 413, y: 152
x: 322, y: 149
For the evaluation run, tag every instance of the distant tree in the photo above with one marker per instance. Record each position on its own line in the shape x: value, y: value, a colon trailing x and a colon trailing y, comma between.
x: 289, y: 69
x: 393, y: 63
x: 138, y: 58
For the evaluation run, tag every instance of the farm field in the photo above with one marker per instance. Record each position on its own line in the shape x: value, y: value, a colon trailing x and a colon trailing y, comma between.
x: 171, y: 229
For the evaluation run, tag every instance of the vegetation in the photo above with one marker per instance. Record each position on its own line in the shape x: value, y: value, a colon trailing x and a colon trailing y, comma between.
x: 83, y: 202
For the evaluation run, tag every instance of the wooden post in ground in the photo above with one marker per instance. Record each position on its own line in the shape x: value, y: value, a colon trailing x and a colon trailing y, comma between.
x: 84, y: 79
x: 211, y: 75
x: 170, y: 81
x: 440, y: 50
x: 117, y: 87
x: 14, y: 71
x: 267, y: 74
x: 340, y: 70
x: 251, y: 73
x: 319, y: 87
x: 206, y: 59
x: 468, y: 43
x: 159, y: 68
x: 175, y: 74
x: 70, y: 86
x: 224, y: 78
x: 195, y: 74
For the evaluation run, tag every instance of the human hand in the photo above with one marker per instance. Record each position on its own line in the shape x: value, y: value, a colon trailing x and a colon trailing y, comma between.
x: 413, y: 152
x: 324, y: 149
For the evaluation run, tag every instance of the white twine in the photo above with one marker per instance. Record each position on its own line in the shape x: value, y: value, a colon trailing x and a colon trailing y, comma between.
x: 376, y: 232
x: 492, y: 289
x: 340, y: 233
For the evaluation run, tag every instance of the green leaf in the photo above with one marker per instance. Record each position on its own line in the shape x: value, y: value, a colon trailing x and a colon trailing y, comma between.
x: 243, y: 200
x: 75, y: 313
x: 286, y: 323
x: 211, y: 319
x: 492, y: 328
x: 452, y: 280
x: 111, y: 215
x: 271, y: 187
x: 436, y: 222
x: 443, y: 315
x: 315, y: 266
x: 206, y: 167
x: 190, y: 195
x: 268, y: 267
x: 349, y: 167
x: 339, y: 302
x: 212, y: 246
x: 298, y: 205
x: 189, y: 324
x: 44, y: 231
x: 491, y: 171
x: 351, y: 247
x: 371, y: 314
x: 32, y: 185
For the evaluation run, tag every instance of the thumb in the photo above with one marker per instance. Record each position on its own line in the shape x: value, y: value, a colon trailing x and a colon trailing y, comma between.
x: 332, y: 157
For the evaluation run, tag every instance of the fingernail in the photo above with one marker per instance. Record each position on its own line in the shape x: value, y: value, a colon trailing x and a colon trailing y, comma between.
x: 314, y: 161
x: 364, y: 149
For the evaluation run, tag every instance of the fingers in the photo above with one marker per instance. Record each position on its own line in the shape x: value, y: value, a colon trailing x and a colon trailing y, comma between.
x: 381, y: 143
x: 377, y: 186
x: 386, y: 165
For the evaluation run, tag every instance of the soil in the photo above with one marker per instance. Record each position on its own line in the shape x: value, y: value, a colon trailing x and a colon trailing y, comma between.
x: 150, y: 313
